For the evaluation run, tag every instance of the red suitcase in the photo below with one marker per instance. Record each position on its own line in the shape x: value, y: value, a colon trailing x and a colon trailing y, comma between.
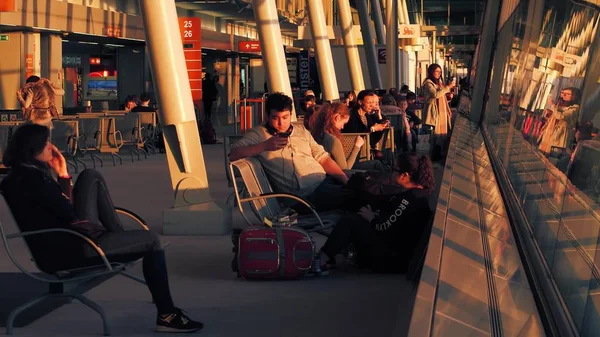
x: 275, y: 253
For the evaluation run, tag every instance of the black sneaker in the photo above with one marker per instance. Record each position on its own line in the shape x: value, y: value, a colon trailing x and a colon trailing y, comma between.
x: 177, y: 322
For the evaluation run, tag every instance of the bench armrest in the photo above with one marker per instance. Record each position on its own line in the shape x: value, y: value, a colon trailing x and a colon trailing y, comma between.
x: 68, y: 231
x: 289, y: 196
x: 132, y: 215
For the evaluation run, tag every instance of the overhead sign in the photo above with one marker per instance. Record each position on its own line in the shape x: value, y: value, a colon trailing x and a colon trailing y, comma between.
x: 7, y: 5
x: 190, y: 29
x: 304, y: 71
x: 409, y: 31
x: 249, y: 47
x: 292, y: 65
x: 381, y: 55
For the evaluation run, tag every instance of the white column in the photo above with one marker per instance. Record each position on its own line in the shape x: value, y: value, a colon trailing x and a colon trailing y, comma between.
x: 377, y: 20
x: 371, y: 53
x: 318, y: 29
x: 193, y: 212
x: 354, y: 66
x: 393, y: 55
x: 269, y: 34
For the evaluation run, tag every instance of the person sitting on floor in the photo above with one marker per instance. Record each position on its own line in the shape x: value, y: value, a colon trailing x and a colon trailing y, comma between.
x: 38, y: 202
x: 294, y: 162
x: 385, y: 233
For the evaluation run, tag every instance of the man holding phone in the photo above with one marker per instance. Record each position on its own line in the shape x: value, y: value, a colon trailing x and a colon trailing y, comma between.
x: 294, y: 162
x: 366, y: 117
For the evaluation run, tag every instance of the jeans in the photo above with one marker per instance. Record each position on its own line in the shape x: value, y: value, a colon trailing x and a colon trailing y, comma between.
x: 329, y: 195
x: 92, y: 202
x: 373, y: 250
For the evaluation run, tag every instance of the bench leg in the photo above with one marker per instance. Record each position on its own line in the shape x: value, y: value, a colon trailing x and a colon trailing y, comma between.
x: 13, y: 314
x: 133, y: 277
x: 96, y: 307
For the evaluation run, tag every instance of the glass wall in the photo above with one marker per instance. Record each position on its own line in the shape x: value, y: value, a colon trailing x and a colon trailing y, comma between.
x: 542, y: 114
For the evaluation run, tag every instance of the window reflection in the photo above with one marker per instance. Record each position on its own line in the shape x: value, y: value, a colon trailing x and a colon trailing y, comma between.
x: 543, y: 114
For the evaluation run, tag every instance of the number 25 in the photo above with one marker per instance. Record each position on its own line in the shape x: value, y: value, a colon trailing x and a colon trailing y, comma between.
x: 187, y: 24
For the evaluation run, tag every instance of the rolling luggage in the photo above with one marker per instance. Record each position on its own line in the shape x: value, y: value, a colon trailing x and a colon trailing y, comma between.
x: 277, y: 252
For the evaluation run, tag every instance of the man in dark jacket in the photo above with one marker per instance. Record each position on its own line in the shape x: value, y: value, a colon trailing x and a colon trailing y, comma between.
x: 363, y: 118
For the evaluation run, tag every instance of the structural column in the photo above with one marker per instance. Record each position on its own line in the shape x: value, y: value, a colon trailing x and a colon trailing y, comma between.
x: 318, y: 29
x: 378, y: 21
x: 356, y: 75
x: 273, y: 55
x: 193, y: 212
x: 486, y: 46
x: 393, y: 54
x: 371, y: 53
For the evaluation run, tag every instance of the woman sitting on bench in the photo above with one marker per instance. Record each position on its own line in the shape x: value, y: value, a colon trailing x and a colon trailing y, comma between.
x: 37, y: 202
x: 385, y: 234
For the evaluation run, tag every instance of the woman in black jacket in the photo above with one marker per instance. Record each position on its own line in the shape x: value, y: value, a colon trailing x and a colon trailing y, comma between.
x: 38, y: 201
x: 385, y: 234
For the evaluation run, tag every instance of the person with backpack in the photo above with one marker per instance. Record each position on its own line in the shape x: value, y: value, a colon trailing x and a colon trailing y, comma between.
x: 385, y: 231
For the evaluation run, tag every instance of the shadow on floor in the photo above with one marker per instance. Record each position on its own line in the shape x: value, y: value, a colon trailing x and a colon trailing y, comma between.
x: 18, y: 288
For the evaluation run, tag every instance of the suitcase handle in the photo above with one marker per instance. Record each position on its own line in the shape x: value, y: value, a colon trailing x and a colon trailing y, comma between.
x: 269, y: 240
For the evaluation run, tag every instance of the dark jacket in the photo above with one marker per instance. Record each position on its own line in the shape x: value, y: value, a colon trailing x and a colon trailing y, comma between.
x: 402, y: 219
x: 37, y: 202
x: 355, y: 125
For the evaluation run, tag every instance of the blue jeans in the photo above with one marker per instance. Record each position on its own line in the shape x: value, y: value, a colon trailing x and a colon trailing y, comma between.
x: 329, y: 195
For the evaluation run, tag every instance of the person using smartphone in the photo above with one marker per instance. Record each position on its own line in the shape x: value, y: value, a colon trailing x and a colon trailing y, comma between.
x: 38, y: 201
x: 366, y: 118
x: 293, y: 161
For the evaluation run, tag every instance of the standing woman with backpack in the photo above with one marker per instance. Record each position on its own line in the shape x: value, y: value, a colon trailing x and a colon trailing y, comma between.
x: 437, y: 110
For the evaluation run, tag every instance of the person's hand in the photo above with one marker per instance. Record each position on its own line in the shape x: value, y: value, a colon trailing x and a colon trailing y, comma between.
x: 359, y: 142
x: 367, y: 213
x: 58, y: 163
x: 451, y: 85
x: 20, y: 95
x: 275, y: 143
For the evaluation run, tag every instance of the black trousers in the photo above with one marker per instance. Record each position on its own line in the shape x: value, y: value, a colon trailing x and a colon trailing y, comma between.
x: 373, y: 250
x: 207, y: 103
x: 92, y: 202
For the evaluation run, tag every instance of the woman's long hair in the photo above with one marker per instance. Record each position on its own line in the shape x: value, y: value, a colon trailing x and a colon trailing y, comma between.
x: 352, y: 101
x: 575, y: 97
x: 418, y: 168
x: 324, y: 121
x: 430, y: 75
x: 26, y: 143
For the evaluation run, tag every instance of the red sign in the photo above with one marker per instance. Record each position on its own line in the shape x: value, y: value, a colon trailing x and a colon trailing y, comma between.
x: 112, y: 31
x: 249, y: 46
x: 190, y: 29
x: 7, y: 5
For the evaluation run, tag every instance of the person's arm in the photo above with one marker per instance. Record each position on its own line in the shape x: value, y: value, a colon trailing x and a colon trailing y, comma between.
x: 336, y: 151
x: 246, y: 151
x: 351, y: 157
x: 252, y: 145
x: 433, y: 91
x: 44, y: 191
x: 332, y: 169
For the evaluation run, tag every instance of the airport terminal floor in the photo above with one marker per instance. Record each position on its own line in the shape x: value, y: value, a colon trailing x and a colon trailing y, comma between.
x: 513, y: 248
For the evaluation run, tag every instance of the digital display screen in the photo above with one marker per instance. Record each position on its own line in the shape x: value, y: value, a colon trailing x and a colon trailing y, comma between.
x: 101, y: 88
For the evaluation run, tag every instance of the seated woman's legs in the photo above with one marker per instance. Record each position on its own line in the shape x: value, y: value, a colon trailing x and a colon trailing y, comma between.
x: 92, y: 201
x: 127, y: 246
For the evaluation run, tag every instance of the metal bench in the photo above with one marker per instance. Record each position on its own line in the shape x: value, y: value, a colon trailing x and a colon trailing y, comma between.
x: 262, y: 198
x: 70, y: 284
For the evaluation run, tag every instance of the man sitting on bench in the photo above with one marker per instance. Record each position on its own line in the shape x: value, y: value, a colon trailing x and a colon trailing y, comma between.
x: 39, y: 202
x: 294, y: 162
